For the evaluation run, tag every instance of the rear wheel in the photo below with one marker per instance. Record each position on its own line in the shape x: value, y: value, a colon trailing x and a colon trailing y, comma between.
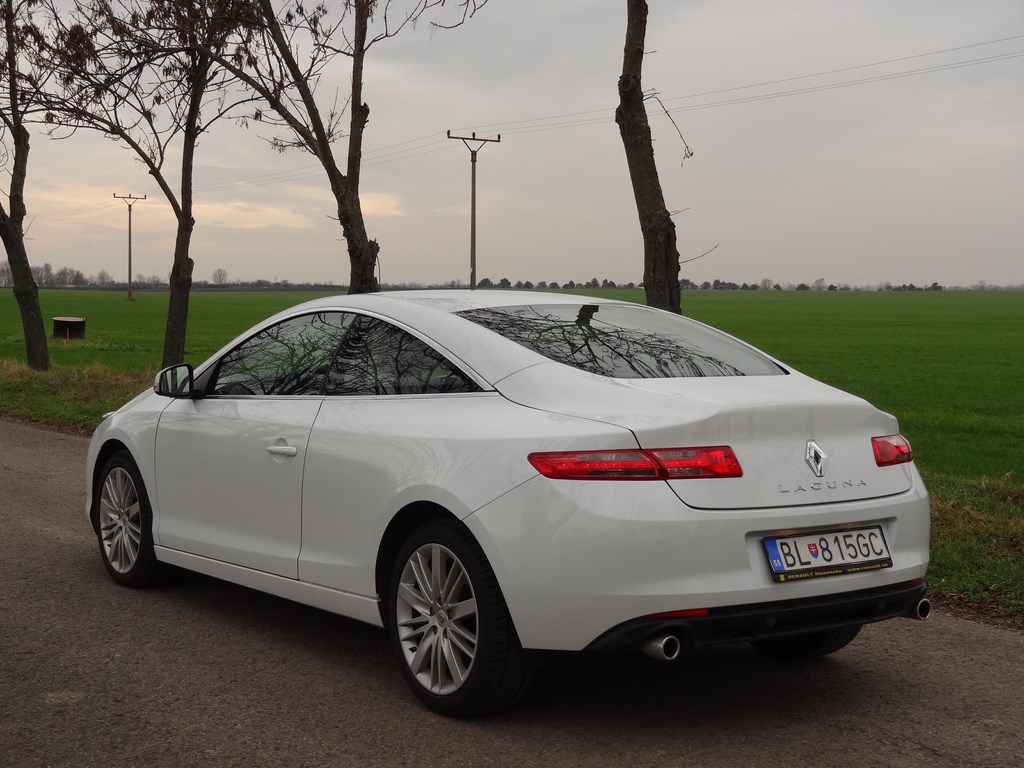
x: 450, y: 627
x: 124, y: 523
x: 810, y: 645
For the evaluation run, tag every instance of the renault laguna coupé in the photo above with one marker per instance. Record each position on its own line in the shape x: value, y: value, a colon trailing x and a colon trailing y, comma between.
x: 492, y: 474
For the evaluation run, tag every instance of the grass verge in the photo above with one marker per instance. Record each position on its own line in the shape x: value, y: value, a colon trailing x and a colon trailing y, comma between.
x: 73, y: 399
x: 978, y: 542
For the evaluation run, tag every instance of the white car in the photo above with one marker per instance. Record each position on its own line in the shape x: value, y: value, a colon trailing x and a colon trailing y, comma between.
x: 489, y: 474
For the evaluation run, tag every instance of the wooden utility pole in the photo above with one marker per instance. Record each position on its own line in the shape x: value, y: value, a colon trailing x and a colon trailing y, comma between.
x: 131, y: 200
x: 472, y: 217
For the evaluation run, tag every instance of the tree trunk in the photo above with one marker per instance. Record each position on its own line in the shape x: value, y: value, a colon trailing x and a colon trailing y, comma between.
x: 181, y: 269
x: 362, y: 252
x: 181, y: 289
x: 26, y: 293
x: 12, y: 231
x: 661, y: 257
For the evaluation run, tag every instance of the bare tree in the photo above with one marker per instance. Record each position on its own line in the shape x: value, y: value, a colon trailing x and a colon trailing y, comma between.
x: 282, y: 53
x: 661, y: 257
x: 43, y: 275
x: 144, y: 73
x: 17, y: 103
x: 220, y: 277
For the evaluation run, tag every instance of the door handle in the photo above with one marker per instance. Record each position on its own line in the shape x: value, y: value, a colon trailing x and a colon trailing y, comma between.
x: 283, y: 450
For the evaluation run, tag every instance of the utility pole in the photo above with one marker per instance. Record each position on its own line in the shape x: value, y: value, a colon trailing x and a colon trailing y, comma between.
x: 472, y: 219
x: 131, y: 200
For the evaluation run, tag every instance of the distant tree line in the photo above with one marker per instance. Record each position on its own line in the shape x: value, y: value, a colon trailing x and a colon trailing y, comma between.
x: 817, y: 285
x: 68, y: 277
x: 505, y: 283
x: 46, y: 276
x: 765, y: 284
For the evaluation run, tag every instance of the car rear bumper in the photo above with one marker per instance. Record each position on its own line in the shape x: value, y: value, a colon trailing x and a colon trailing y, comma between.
x: 763, y: 621
x: 578, y: 560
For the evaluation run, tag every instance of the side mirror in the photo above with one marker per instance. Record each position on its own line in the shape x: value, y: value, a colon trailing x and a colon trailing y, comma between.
x: 175, y: 381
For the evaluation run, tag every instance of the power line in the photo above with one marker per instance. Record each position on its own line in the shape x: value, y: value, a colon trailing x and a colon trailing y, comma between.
x: 583, y: 118
x: 69, y: 210
x: 433, y: 142
x: 846, y: 69
x: 847, y: 83
x: 311, y: 171
x: 534, y: 125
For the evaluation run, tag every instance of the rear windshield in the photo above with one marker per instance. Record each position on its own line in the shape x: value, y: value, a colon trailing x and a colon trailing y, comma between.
x: 624, y: 342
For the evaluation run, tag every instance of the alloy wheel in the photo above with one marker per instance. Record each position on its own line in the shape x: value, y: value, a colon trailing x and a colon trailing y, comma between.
x: 436, y: 611
x: 120, y: 520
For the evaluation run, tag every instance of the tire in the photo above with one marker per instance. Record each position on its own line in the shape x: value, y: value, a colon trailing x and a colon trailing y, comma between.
x: 450, y: 627
x: 810, y: 645
x: 124, y: 524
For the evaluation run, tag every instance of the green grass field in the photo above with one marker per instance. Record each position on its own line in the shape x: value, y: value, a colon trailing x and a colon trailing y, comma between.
x: 948, y: 364
x: 129, y: 334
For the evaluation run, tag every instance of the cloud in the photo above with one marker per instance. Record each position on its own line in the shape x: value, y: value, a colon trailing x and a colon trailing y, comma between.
x: 241, y: 215
x: 381, y: 204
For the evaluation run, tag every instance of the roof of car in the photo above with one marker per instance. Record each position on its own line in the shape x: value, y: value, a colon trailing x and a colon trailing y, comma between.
x: 460, y: 300
x: 454, y: 300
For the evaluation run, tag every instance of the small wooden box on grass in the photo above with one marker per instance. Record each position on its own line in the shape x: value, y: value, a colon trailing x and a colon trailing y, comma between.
x: 69, y: 328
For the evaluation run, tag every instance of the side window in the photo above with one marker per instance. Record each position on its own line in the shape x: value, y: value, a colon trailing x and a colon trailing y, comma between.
x: 290, y: 358
x: 376, y: 358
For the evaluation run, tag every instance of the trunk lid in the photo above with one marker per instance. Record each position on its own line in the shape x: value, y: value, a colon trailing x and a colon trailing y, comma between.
x: 799, y: 441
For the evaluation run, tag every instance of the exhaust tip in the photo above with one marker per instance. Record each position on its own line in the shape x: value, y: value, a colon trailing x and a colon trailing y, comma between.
x: 923, y: 609
x: 663, y: 648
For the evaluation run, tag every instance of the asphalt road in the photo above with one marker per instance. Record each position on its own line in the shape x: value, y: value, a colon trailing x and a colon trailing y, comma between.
x: 202, y: 673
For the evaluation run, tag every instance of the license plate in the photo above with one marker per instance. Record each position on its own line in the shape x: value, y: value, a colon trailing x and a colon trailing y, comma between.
x: 827, y: 553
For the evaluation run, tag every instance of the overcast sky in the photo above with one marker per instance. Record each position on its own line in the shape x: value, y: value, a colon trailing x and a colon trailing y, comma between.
x: 859, y: 142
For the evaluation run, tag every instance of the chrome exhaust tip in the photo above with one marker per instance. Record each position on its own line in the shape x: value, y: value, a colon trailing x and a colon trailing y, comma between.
x: 923, y: 609
x: 920, y: 611
x: 663, y: 648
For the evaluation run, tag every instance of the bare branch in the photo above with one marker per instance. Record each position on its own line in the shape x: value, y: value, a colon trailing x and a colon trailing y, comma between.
x: 687, y: 152
x: 687, y: 261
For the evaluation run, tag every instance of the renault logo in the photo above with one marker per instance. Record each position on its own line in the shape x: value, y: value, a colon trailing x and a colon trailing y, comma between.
x: 816, y: 459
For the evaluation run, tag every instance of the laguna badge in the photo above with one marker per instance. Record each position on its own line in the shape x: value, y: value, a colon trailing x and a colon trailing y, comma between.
x: 816, y: 459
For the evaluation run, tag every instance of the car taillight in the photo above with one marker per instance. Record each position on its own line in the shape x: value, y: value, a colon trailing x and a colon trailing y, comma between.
x: 716, y: 461
x: 891, y: 449
x: 655, y: 464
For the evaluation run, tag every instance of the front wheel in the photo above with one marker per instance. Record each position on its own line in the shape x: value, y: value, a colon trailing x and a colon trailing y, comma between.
x: 450, y: 626
x: 124, y: 523
x: 810, y: 645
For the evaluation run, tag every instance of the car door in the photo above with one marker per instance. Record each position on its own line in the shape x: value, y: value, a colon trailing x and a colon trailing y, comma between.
x: 229, y: 465
x: 395, y: 410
